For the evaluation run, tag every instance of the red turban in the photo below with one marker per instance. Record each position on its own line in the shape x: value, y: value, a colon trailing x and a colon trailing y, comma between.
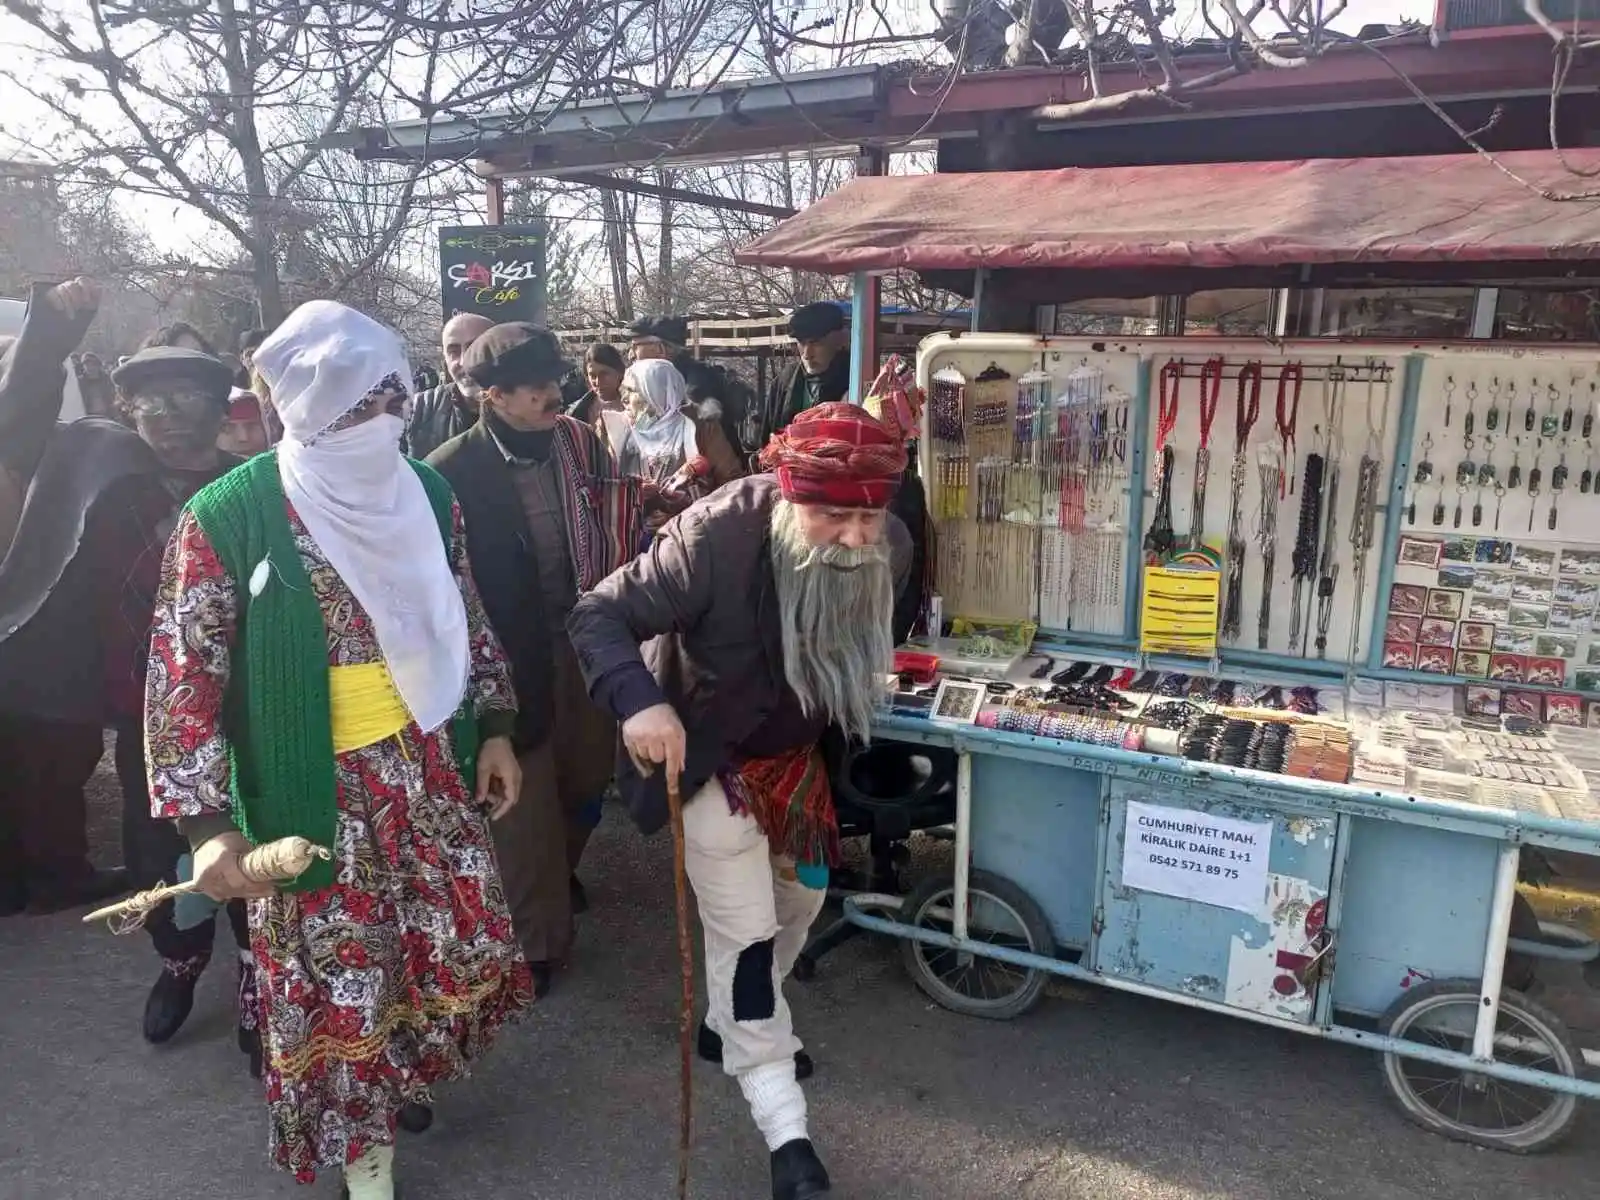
x: 243, y: 406
x: 837, y: 454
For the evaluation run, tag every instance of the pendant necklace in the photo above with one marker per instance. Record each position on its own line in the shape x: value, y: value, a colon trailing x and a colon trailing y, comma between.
x: 1288, y: 414
x: 1210, y: 394
x: 1269, y: 467
x: 1247, y: 407
x: 1364, y: 516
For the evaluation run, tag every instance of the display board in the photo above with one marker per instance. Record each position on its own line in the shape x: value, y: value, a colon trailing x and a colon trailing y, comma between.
x: 1496, y: 572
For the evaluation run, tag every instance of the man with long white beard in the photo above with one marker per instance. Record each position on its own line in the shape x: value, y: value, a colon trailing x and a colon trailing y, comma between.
x: 770, y: 604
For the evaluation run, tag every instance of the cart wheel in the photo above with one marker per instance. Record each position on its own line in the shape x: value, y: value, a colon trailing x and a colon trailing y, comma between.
x: 1001, y: 914
x: 1477, y: 1108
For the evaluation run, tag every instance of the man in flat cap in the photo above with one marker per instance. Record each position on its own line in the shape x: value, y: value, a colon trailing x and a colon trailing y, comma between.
x: 668, y: 337
x: 179, y: 402
x: 819, y: 374
x: 548, y: 517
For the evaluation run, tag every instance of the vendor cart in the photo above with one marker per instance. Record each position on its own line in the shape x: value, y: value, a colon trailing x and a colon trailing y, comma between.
x: 1394, y: 530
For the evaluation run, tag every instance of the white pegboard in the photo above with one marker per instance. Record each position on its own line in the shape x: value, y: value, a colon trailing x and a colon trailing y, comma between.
x: 1344, y: 445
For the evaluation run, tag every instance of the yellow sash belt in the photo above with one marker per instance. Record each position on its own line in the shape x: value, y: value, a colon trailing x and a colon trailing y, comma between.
x: 366, y: 706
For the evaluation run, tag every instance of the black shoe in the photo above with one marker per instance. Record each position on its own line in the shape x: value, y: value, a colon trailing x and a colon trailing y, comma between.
x: 797, y: 1172
x: 543, y: 976
x: 580, y: 898
x: 414, y: 1117
x: 95, y: 887
x: 168, y: 1007
x: 710, y: 1049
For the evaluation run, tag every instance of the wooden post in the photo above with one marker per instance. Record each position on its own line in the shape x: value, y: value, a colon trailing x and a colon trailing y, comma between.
x: 495, y: 190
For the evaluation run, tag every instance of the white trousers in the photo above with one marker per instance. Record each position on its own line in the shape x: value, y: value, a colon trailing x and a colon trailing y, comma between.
x: 756, y: 915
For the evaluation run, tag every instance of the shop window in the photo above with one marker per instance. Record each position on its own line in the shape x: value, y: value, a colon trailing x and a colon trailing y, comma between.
x: 1228, y: 312
x: 1109, y: 318
x: 1525, y: 315
x: 1397, y: 312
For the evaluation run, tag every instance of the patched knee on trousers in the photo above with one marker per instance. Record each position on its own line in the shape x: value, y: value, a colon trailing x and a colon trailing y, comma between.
x: 754, y: 998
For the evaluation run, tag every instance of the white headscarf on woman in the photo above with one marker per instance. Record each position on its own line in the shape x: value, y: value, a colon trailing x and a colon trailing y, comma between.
x: 362, y: 502
x: 662, y: 432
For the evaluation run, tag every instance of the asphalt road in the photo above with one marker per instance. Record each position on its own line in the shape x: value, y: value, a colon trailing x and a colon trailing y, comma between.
x: 1093, y: 1096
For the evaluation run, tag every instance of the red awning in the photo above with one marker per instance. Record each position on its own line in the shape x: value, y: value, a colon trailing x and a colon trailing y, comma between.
x: 1449, y: 207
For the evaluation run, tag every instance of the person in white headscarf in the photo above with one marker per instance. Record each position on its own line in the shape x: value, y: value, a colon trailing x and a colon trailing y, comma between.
x: 321, y: 666
x: 678, y: 448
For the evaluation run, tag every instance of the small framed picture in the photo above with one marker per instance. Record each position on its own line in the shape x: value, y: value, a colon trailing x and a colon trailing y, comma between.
x: 1472, y: 663
x: 1495, y: 584
x: 1433, y: 631
x: 1483, y: 701
x: 1580, y: 593
x: 1512, y: 640
x: 1556, y: 645
x: 1459, y: 549
x: 1494, y: 551
x: 1534, y: 560
x: 1586, y: 681
x: 1493, y: 609
x: 1592, y: 657
x: 1421, y: 552
x: 1568, y: 617
x: 1442, y: 602
x: 1522, y: 704
x: 1593, y: 714
x: 1529, y: 616
x: 1580, y: 562
x: 1452, y: 576
x: 1549, y: 671
x: 1408, y: 599
x: 1400, y: 656
x: 1436, y: 660
x: 1562, y: 709
x: 1403, y: 629
x: 1475, y: 635
x: 1532, y: 589
x: 958, y: 702
x: 1507, y: 668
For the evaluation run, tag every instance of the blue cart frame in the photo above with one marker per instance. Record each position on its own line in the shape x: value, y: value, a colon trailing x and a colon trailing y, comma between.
x: 1417, y: 889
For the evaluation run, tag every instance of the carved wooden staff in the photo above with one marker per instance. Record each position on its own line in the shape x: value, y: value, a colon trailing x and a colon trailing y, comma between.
x: 680, y: 883
x: 273, y: 862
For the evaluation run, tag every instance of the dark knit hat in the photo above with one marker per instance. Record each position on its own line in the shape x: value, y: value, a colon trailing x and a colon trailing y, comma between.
x: 672, y: 330
x: 813, y: 321
x: 515, y: 354
x: 171, y: 364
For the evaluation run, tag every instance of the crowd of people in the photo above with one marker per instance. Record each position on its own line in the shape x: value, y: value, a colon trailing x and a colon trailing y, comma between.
x: 428, y: 630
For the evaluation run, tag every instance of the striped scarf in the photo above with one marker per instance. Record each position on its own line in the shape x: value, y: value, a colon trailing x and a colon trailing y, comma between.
x: 601, y: 506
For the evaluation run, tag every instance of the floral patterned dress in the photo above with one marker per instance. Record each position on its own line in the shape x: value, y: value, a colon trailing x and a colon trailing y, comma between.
x: 398, y: 975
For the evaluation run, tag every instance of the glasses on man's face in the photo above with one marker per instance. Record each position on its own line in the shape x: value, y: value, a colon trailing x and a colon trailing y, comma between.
x: 187, y: 401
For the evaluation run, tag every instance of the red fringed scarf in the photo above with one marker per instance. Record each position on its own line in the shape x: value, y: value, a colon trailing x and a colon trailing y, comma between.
x: 792, y: 803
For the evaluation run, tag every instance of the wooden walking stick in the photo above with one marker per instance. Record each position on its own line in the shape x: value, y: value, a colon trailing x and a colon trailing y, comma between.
x: 272, y: 862
x: 680, y: 883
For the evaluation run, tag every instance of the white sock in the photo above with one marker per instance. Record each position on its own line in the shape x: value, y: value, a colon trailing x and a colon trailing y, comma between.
x: 371, y: 1177
x: 776, y: 1102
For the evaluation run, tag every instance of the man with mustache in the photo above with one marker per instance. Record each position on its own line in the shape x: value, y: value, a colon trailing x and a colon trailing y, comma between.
x: 548, y: 517
x: 449, y: 410
x: 758, y: 618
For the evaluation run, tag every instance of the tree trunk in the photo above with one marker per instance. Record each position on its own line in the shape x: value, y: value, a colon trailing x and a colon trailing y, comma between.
x: 616, y: 256
x: 667, y: 291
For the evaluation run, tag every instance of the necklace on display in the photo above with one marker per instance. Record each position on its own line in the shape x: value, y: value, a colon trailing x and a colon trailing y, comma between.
x: 1304, y: 559
x: 1269, y: 468
x: 1159, y: 540
x: 1210, y: 395
x: 1288, y: 415
x: 1364, y: 516
x: 1247, y: 408
x: 1449, y: 398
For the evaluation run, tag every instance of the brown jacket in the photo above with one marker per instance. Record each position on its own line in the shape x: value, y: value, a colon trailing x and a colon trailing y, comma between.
x: 694, y: 621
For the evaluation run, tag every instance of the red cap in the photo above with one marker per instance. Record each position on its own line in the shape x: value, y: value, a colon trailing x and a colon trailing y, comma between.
x: 836, y: 454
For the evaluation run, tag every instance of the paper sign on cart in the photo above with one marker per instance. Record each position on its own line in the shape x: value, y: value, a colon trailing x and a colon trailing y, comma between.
x: 1196, y: 856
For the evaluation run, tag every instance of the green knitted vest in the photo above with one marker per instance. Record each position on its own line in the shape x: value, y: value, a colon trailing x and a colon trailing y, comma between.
x: 277, y: 712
